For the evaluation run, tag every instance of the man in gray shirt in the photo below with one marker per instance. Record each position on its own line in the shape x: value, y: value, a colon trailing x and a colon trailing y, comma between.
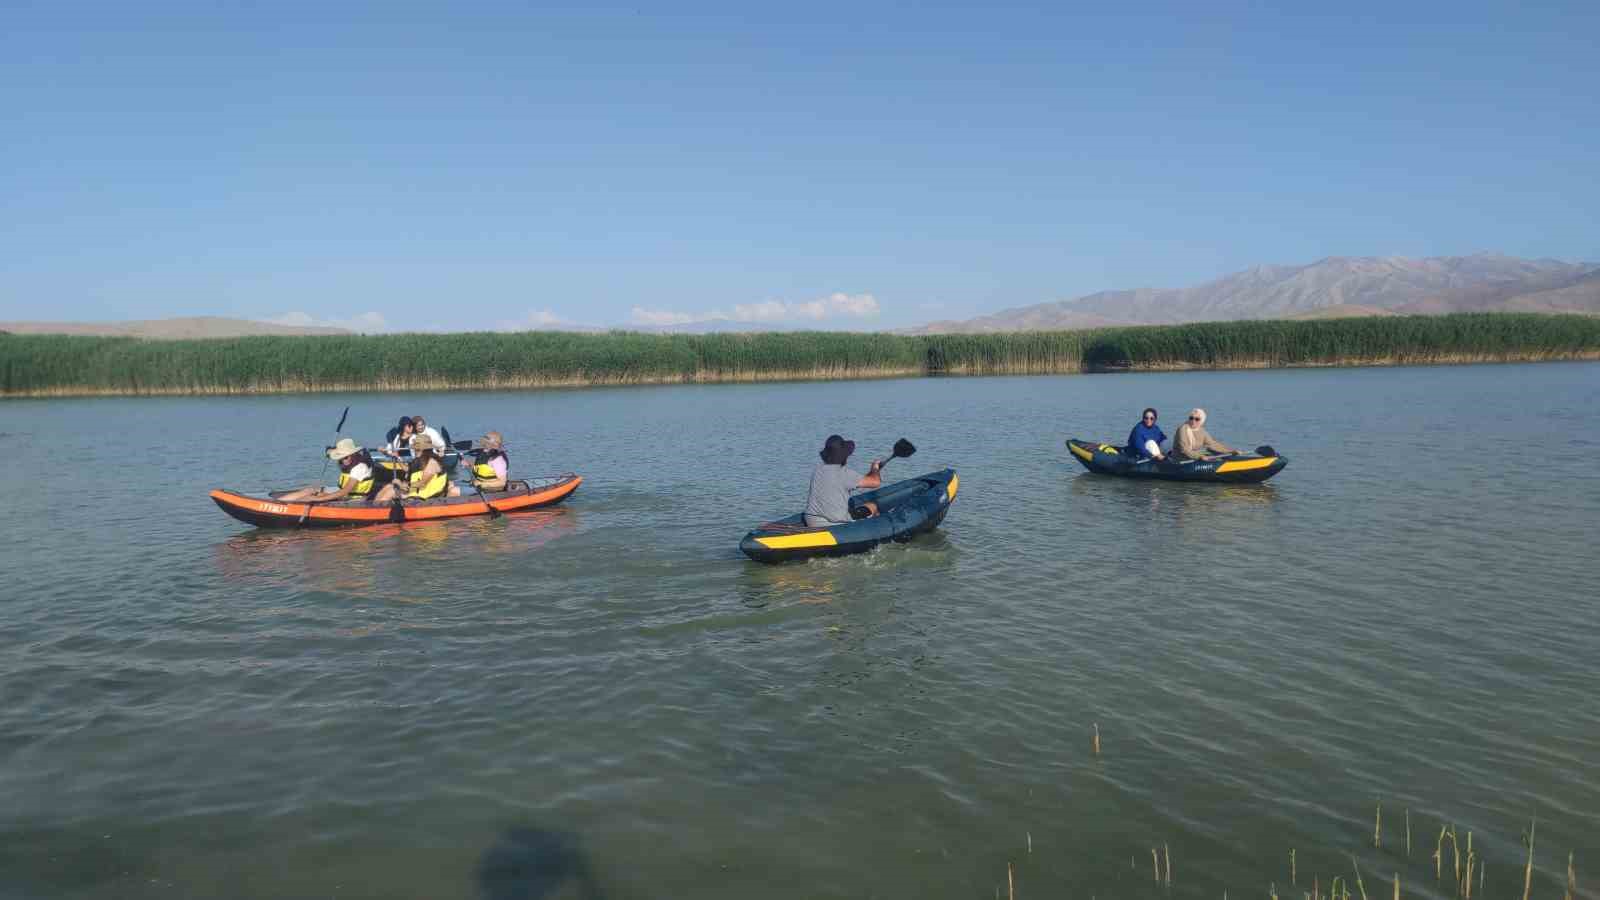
x: 831, y: 484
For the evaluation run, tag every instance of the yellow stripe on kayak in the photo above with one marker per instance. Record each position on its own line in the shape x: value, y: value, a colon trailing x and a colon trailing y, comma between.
x: 1079, y: 452
x: 796, y: 541
x: 950, y: 492
x: 1245, y: 465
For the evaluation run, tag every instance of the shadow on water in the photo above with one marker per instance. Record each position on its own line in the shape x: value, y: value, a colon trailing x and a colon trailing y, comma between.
x: 528, y: 863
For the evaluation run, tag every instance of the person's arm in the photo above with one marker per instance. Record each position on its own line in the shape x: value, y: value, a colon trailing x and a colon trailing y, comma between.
x: 402, y: 479
x: 326, y: 496
x: 872, y: 479
x: 1216, y: 445
x: 498, y: 482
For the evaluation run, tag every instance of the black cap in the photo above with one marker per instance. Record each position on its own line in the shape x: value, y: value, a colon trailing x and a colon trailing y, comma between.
x: 837, y: 450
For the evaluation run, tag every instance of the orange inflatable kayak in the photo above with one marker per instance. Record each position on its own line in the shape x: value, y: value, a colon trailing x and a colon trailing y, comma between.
x: 268, y: 512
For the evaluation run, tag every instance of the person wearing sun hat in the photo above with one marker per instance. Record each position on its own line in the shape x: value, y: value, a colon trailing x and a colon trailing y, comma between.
x: 832, y: 481
x: 489, y: 467
x: 427, y: 479
x: 356, y: 476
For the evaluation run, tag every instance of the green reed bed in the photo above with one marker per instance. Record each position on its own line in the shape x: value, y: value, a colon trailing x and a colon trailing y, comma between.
x: 1466, y: 337
x: 45, y: 365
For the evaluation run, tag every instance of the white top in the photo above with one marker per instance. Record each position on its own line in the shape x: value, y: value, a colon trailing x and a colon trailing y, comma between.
x: 437, y: 438
x: 360, y: 472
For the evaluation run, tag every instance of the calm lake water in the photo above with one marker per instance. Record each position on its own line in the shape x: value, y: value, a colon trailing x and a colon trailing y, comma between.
x: 607, y: 700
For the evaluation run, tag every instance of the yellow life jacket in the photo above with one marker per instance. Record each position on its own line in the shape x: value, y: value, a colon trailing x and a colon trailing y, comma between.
x: 482, y: 471
x: 434, y: 487
x: 361, y: 489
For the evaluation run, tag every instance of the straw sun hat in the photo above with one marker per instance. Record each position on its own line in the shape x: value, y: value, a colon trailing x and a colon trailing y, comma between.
x: 345, y: 447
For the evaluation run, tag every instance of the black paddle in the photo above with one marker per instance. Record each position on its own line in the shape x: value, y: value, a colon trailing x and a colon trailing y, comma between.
x: 337, y: 429
x: 493, y: 513
x: 464, y: 446
x: 902, y: 450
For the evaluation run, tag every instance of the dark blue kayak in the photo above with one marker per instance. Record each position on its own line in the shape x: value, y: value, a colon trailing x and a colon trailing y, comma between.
x: 905, y: 509
x: 1106, y: 459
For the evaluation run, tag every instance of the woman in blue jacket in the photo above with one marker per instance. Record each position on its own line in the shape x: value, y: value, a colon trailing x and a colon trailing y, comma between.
x: 1144, y: 441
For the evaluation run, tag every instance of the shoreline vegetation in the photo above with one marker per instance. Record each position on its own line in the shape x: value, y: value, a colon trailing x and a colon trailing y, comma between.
x: 67, y: 366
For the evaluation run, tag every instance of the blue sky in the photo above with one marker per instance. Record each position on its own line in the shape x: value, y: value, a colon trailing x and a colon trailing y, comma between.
x: 462, y: 166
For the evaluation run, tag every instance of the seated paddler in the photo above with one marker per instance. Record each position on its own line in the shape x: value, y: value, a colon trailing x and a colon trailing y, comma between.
x: 832, y: 482
x: 1193, y: 441
x: 398, y: 440
x: 1144, y: 441
x: 489, y: 465
x: 357, y: 477
x: 427, y: 479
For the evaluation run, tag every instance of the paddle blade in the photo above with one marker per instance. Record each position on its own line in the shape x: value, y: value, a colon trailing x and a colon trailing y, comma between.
x: 339, y: 428
x: 462, y: 445
x: 902, y: 449
x: 1266, y: 450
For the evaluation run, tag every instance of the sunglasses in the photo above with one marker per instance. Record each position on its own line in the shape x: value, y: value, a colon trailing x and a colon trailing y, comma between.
x: 1194, y: 418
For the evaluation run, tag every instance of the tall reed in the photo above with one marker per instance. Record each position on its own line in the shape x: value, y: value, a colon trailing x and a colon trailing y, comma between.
x: 61, y: 365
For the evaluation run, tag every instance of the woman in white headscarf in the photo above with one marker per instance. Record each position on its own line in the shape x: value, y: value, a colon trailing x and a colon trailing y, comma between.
x: 1192, y: 441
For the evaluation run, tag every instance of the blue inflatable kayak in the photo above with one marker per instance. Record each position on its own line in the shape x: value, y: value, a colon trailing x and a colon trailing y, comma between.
x: 905, y: 509
x: 1107, y: 459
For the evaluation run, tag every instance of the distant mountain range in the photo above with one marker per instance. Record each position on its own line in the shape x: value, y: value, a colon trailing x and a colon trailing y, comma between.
x: 1334, y: 287
x: 191, y: 327
x: 1338, y: 286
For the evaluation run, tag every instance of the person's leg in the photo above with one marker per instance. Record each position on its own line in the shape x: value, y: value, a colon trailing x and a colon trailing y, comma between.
x: 454, y: 490
x: 311, y: 492
x: 387, y: 493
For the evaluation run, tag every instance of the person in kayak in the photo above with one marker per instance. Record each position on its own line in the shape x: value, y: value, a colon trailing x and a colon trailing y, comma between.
x: 357, y: 477
x: 427, y: 479
x: 399, y: 438
x: 422, y: 427
x: 832, y: 482
x: 489, y: 463
x: 1144, y: 441
x: 1192, y: 441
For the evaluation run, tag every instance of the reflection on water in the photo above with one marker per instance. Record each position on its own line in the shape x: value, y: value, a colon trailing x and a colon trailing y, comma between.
x: 354, y: 561
x: 1182, y: 503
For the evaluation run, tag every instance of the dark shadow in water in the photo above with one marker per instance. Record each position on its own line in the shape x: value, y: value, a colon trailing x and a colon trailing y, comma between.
x: 529, y: 863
